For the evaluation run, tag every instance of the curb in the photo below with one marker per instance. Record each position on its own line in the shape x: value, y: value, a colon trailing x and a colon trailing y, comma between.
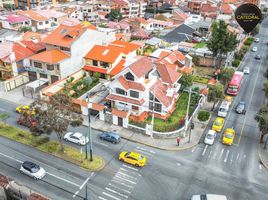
x: 260, y: 157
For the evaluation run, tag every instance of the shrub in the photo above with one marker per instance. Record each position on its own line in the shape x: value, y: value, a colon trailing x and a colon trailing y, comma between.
x: 42, y: 140
x: 236, y: 63
x: 203, y: 115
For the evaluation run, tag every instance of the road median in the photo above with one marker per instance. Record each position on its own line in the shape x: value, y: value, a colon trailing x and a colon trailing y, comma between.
x: 52, y: 147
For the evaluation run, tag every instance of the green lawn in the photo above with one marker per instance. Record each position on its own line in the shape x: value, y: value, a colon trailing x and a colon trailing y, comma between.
x: 200, y: 45
x: 52, y: 147
x: 199, y: 79
x: 176, y: 120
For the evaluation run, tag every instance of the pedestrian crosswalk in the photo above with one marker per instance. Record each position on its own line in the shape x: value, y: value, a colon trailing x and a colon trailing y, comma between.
x: 125, y: 179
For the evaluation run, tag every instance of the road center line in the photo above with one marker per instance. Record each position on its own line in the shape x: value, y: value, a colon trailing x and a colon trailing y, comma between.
x: 11, y: 158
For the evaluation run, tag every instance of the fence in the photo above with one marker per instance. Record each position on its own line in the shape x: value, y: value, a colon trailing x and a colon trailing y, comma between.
x: 15, y: 82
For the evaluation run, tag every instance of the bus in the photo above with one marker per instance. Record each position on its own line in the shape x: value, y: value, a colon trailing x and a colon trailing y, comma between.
x: 235, y: 83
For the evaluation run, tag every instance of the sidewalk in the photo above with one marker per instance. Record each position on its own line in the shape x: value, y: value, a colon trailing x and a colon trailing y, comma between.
x: 263, y: 155
x: 16, y: 96
x: 164, y: 143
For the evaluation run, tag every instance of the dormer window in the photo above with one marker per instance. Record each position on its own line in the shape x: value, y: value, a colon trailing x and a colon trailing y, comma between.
x: 129, y: 76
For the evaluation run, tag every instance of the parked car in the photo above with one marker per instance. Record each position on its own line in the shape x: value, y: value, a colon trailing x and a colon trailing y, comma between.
x: 210, y: 137
x: 257, y: 40
x: 258, y: 57
x: 254, y: 49
x: 246, y: 70
x: 133, y: 158
x: 77, y: 138
x: 218, y: 124
x: 241, y: 108
x: 110, y: 137
x: 32, y: 169
x: 228, y: 136
x: 208, y: 197
x: 25, y: 108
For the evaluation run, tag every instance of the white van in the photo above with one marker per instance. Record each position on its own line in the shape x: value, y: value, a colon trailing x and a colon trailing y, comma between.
x: 209, y: 197
x: 223, y: 109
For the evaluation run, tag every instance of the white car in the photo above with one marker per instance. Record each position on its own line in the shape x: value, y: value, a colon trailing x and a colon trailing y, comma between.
x: 246, y: 70
x: 257, y: 40
x: 209, y: 197
x: 33, y: 170
x: 77, y: 138
x: 254, y: 49
x: 210, y: 137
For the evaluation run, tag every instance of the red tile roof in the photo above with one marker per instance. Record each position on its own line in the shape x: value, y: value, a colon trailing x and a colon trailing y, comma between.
x: 21, y: 51
x: 52, y: 56
x: 119, y: 113
x: 13, y: 18
x: 168, y: 74
x: 141, y: 34
x: 127, y: 46
x: 125, y: 99
x: 32, y: 15
x: 35, y: 47
x: 64, y: 35
x: 208, y: 8
x: 226, y: 9
x: 95, y: 69
x: 142, y: 66
x: 118, y: 68
x: 130, y: 84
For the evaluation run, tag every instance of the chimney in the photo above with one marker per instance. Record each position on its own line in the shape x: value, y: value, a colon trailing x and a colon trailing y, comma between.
x: 188, y: 61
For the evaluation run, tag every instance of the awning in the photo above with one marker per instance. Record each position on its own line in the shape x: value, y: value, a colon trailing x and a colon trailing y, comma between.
x: 37, y: 83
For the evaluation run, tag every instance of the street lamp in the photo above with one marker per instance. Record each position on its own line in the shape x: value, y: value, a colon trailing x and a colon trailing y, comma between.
x: 89, y: 131
x: 187, y: 113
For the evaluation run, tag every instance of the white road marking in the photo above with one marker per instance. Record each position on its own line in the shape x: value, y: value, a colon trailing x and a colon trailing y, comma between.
x: 70, y: 182
x: 221, y: 154
x: 115, y: 192
x: 209, y: 154
x: 11, y: 158
x: 121, y: 173
x: 117, y: 181
x: 126, y: 170
x: 226, y: 156
x: 144, y: 152
x: 106, y: 145
x: 130, y: 167
x: 179, y: 164
x: 205, y: 149
x: 123, y: 178
x: 109, y: 195
x: 83, y: 184
x: 260, y: 167
x: 145, y: 149
x: 237, y: 157
x: 214, y: 155
x: 231, y: 158
x: 194, y: 149
x: 127, y: 191
x: 102, y: 198
x: 245, y: 156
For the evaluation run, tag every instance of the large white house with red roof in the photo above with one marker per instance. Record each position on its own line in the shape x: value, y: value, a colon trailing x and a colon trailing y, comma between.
x: 14, y: 21
x: 65, y: 48
x: 143, y: 87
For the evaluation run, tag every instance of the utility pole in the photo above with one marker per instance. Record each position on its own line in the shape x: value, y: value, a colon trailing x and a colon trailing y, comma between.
x: 89, y: 131
x: 187, y: 112
x: 152, y: 122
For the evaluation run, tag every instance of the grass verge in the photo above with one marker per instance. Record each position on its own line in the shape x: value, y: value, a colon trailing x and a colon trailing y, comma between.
x: 52, y: 147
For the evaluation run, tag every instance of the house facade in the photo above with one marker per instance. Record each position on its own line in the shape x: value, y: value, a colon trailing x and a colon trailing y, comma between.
x: 14, y: 21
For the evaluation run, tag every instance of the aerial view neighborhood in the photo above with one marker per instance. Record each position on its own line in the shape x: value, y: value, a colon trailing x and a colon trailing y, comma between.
x: 133, y: 99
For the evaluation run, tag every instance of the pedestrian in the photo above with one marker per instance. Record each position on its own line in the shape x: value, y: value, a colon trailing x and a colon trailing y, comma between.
x: 178, y: 141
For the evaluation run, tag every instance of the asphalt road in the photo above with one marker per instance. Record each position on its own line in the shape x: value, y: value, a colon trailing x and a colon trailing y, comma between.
x: 234, y: 171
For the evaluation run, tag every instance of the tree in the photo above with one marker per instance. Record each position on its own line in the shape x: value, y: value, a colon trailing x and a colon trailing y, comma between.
x: 221, y: 41
x: 196, y: 60
x: 226, y: 75
x: 25, y: 29
x: 186, y: 80
x: 115, y: 15
x: 256, y: 30
x: 265, y: 88
x: 215, y: 93
x: 262, y: 118
x: 203, y: 115
x: 56, y: 116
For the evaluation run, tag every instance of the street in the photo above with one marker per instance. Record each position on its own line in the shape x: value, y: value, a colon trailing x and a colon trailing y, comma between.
x: 234, y: 171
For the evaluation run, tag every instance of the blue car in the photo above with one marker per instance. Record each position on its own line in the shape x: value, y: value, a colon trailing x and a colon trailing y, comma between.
x: 110, y: 137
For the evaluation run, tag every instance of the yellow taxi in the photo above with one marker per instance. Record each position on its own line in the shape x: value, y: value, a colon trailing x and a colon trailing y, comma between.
x: 133, y: 158
x: 218, y: 124
x: 26, y: 108
x: 228, y: 136
x: 229, y: 99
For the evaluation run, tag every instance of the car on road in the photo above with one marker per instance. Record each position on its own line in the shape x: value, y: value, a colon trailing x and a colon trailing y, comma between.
x: 133, y: 158
x: 77, y: 138
x: 32, y: 169
x: 210, y: 137
x: 228, y: 136
x: 229, y: 99
x: 246, y: 70
x: 257, y: 40
x: 110, y: 137
x: 218, y: 124
x: 257, y: 57
x: 241, y: 108
x: 254, y: 49
x: 25, y: 108
x: 208, y: 197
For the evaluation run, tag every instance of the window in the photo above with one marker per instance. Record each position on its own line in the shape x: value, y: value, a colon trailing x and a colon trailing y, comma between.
x: 104, y: 64
x: 47, y: 22
x: 64, y: 48
x: 50, y: 67
x: 135, y: 108
x: 58, y: 67
x: 129, y: 76
x: 152, y: 97
x: 43, y: 75
x: 134, y: 94
x: 95, y: 62
x: 40, y: 23
x: 120, y: 91
x: 155, y: 106
x: 37, y: 64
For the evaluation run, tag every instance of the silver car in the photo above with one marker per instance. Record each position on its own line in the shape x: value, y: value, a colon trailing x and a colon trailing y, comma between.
x: 77, y: 138
x: 33, y: 170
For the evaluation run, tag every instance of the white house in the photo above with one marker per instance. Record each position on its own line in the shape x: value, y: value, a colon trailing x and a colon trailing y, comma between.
x: 14, y: 21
